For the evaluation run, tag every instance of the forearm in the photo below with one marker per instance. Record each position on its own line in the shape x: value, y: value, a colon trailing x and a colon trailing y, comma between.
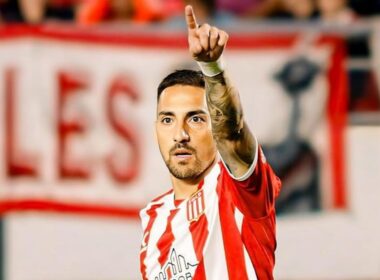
x: 224, y: 107
x: 234, y: 141
x: 233, y: 138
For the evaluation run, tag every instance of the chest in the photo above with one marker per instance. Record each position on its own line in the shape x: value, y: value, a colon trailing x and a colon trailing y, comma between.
x: 180, y: 235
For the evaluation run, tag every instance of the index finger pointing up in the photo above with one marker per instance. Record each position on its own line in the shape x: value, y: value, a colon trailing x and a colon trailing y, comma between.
x: 190, y: 18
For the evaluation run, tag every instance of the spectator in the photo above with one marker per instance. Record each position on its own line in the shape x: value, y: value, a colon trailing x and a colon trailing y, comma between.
x: 281, y: 9
x: 335, y: 11
x: 32, y: 11
x: 60, y: 9
x: 120, y: 10
x: 299, y: 9
x: 249, y: 8
x: 365, y: 7
x: 10, y: 11
x: 237, y: 6
x: 171, y: 8
x: 138, y: 11
x: 36, y: 11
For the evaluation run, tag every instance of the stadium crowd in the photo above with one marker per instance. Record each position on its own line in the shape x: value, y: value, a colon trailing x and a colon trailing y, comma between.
x: 87, y: 12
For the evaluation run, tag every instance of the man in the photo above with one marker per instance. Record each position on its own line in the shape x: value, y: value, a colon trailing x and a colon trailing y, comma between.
x: 218, y: 220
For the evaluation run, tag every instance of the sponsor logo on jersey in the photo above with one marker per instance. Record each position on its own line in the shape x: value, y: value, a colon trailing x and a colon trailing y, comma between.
x: 177, y: 268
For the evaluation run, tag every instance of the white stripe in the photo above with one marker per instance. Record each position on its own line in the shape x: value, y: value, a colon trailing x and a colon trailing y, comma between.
x: 144, y: 217
x: 199, y: 205
x: 183, y: 242
x: 248, y: 264
x: 158, y: 228
x: 193, y: 209
x: 214, y: 255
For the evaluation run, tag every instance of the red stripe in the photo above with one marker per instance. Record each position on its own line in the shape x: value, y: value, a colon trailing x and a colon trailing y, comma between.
x: 200, y: 273
x: 233, y: 245
x: 161, y: 196
x: 259, y: 238
x: 199, y: 234
x: 337, y: 116
x: 166, y: 240
x: 338, y: 120
x: 149, y: 39
x: 23, y: 205
x: 68, y: 208
x: 152, y: 213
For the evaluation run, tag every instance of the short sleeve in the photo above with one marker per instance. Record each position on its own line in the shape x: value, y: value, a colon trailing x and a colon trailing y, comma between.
x: 255, y: 192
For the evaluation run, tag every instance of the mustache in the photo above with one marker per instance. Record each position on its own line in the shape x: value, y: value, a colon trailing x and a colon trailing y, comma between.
x: 181, y: 146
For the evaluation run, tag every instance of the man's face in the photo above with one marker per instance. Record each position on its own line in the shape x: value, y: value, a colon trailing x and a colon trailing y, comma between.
x: 184, y: 133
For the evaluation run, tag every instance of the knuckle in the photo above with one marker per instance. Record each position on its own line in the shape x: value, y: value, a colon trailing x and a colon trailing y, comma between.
x: 203, y: 34
x: 214, y: 33
x: 206, y: 26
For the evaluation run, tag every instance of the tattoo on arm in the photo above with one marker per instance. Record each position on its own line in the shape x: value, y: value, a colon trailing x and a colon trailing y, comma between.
x: 233, y: 138
x: 224, y: 107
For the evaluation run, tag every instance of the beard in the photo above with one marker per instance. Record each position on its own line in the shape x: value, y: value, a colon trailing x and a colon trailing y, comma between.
x: 185, y: 170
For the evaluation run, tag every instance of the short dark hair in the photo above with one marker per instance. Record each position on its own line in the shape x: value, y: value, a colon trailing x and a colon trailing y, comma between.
x: 181, y: 77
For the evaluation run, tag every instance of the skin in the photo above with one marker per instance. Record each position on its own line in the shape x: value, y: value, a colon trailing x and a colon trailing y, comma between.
x: 184, y: 135
x: 329, y: 8
x: 301, y: 9
x: 33, y: 10
x: 223, y: 127
x: 121, y: 9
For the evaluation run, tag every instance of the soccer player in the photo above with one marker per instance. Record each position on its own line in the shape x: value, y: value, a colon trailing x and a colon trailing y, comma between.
x: 218, y: 219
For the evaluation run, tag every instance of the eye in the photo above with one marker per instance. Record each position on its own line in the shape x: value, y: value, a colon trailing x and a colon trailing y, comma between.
x: 197, y: 119
x: 166, y: 120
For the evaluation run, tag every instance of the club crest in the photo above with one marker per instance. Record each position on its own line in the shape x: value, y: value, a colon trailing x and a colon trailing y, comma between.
x: 195, y: 206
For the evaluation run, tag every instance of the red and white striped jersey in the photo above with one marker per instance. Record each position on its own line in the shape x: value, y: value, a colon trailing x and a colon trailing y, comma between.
x: 226, y: 230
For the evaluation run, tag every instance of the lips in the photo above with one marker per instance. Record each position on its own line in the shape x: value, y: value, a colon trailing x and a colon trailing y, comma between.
x: 182, y: 154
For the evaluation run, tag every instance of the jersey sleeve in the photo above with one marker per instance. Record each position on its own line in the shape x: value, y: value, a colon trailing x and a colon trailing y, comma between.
x: 255, y: 192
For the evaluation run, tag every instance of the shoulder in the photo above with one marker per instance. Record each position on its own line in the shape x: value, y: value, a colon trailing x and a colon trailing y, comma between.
x: 154, y: 204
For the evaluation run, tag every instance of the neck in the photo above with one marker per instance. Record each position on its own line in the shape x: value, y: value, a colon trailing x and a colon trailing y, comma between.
x: 184, y: 188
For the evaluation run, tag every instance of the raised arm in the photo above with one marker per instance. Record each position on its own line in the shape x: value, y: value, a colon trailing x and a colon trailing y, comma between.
x: 234, y: 140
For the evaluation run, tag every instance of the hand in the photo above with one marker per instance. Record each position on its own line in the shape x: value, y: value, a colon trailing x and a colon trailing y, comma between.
x: 206, y: 43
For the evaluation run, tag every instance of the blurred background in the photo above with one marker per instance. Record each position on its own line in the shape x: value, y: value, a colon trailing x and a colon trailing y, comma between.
x: 78, y: 157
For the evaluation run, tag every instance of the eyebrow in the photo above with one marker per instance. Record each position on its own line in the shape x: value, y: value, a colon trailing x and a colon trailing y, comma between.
x: 189, y: 114
x: 196, y: 112
x: 166, y: 113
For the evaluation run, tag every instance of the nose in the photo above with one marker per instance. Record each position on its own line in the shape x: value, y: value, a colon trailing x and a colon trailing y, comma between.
x: 181, y: 134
